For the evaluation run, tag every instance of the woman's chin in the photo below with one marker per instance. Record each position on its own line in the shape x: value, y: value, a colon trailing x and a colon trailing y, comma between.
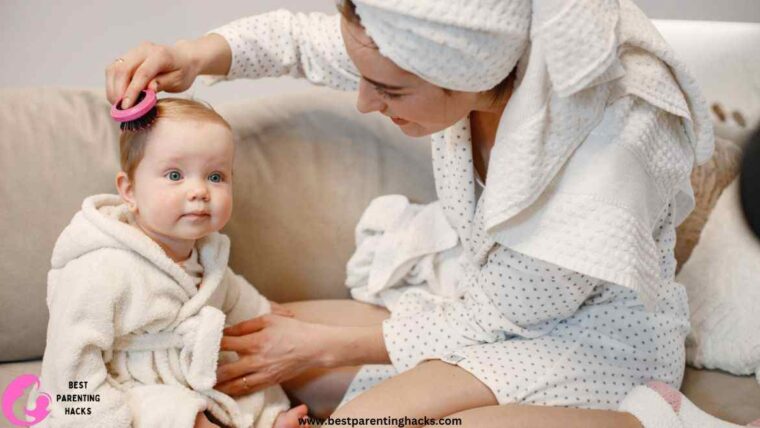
x: 412, y: 129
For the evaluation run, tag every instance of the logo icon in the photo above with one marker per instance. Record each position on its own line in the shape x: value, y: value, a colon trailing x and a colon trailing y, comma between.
x: 15, y: 391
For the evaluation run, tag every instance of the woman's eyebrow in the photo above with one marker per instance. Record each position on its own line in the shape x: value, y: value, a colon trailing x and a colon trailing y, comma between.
x: 382, y: 85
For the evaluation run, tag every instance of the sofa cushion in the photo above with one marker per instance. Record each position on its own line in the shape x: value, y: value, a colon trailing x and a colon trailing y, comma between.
x: 708, y: 181
x: 8, y: 372
x: 721, y: 280
x: 56, y: 147
x: 732, y: 398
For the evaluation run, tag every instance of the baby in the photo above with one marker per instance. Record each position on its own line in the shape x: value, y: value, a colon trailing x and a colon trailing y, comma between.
x: 139, y: 291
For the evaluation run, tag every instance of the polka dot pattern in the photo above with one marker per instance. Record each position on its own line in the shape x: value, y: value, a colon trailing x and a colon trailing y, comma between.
x: 532, y: 331
x: 539, y: 334
x: 284, y: 43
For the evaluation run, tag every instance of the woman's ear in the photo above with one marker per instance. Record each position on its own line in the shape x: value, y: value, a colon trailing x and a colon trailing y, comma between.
x: 126, y: 190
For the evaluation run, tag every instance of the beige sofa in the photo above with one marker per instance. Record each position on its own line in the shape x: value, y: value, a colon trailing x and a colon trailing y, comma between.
x: 306, y: 167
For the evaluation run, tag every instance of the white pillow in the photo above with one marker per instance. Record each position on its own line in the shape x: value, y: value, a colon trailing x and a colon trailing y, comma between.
x: 722, y: 280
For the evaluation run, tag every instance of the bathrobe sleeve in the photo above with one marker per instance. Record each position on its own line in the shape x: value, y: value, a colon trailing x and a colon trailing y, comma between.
x: 284, y: 43
x: 85, y: 303
x: 511, y: 296
x: 242, y: 301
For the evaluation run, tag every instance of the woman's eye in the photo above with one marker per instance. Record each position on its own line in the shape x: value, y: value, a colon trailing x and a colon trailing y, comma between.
x: 174, y: 175
x: 384, y: 94
x: 215, y: 177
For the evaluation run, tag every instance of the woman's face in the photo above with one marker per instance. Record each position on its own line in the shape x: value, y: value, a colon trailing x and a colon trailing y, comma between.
x: 418, y: 107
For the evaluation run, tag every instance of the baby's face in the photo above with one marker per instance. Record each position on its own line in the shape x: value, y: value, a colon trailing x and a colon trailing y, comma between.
x: 183, y: 184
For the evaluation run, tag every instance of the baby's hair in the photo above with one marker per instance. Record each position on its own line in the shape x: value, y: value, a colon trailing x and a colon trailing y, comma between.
x: 132, y: 143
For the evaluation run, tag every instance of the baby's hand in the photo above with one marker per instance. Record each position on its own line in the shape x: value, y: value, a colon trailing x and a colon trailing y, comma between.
x: 201, y: 421
x: 290, y: 418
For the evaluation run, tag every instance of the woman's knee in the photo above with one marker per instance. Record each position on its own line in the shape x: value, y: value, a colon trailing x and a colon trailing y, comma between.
x: 432, y: 389
x: 344, y: 312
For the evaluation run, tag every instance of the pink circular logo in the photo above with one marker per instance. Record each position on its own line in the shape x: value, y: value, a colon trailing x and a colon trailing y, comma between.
x: 15, y: 391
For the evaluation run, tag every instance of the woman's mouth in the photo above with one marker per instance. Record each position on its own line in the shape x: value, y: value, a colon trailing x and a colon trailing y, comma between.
x: 399, y: 121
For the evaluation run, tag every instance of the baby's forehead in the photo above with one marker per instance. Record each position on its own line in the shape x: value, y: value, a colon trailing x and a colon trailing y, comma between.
x: 173, y: 140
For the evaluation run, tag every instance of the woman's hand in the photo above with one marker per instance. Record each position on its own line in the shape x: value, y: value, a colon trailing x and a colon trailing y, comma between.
x: 278, y: 309
x: 166, y: 68
x: 272, y: 349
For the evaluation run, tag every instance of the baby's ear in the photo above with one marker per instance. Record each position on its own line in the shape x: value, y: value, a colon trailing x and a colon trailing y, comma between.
x: 126, y: 190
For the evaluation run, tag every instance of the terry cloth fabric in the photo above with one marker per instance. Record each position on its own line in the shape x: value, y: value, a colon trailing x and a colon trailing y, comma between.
x: 658, y: 405
x: 130, y: 322
x: 577, y: 57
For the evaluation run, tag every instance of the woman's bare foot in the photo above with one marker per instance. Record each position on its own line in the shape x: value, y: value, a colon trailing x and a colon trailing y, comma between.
x: 290, y: 418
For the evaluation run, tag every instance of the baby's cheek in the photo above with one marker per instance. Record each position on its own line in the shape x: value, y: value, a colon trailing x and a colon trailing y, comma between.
x: 169, y: 209
x: 223, y: 210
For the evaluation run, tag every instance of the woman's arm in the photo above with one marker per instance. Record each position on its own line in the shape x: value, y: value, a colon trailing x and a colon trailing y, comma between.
x: 284, y: 43
x: 272, y: 44
x: 167, y: 68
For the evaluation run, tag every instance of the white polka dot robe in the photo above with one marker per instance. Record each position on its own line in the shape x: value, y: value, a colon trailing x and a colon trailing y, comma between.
x: 546, y: 317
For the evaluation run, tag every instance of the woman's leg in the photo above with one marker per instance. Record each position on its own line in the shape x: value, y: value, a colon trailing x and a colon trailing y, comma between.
x: 345, y: 312
x: 524, y: 416
x: 322, y: 389
x: 433, y: 389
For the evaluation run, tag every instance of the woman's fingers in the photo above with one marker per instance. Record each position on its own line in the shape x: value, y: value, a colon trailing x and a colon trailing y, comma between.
x: 247, y: 364
x: 120, y: 71
x: 246, y: 384
x: 240, y: 344
x: 248, y: 326
x: 157, y: 61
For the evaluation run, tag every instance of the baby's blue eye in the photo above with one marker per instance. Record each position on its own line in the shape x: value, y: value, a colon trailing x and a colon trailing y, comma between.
x: 215, y: 177
x: 173, y: 175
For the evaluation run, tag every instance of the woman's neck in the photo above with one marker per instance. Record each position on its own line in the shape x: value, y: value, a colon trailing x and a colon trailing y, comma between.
x: 483, y: 127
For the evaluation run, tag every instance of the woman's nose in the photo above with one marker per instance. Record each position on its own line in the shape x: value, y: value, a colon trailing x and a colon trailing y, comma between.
x: 368, y: 101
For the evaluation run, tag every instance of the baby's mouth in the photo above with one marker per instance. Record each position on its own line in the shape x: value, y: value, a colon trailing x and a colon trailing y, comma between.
x: 196, y: 215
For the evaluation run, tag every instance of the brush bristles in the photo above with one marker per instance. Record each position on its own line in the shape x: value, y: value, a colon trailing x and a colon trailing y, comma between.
x: 141, y: 122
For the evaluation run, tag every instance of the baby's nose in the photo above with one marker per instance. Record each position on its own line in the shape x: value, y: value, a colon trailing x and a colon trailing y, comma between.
x: 198, y: 192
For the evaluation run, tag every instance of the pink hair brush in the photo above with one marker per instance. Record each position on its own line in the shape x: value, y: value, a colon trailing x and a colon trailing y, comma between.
x: 139, y: 116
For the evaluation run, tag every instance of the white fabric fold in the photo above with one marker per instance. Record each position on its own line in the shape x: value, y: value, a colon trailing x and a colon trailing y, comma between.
x: 197, y: 338
x: 403, y: 244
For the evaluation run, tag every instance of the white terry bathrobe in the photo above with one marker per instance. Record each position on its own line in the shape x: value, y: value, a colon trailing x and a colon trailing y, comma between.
x: 566, y: 293
x: 130, y: 322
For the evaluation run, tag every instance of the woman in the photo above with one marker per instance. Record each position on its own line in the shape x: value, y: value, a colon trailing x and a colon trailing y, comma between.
x: 563, y: 136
